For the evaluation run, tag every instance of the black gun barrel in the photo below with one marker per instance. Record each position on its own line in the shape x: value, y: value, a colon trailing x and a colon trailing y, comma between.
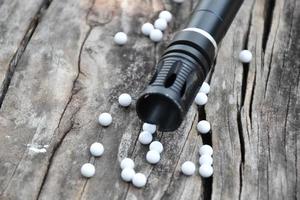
x: 185, y: 64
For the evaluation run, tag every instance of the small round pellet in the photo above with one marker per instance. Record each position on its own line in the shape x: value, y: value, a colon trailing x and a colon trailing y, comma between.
x: 120, y: 38
x: 245, y: 56
x: 105, y: 119
x: 139, y: 180
x: 201, y: 99
x: 206, y: 149
x: 127, y: 174
x: 147, y: 28
x: 96, y: 149
x: 205, y: 88
x: 161, y: 24
x: 156, y: 35
x: 206, y: 170
x: 125, y: 100
x: 203, y: 126
x: 188, y: 168
x: 87, y: 170
x: 152, y: 157
x: 145, y: 137
x: 156, y: 146
x: 127, y: 163
x: 205, y: 159
x: 151, y: 128
x: 165, y: 15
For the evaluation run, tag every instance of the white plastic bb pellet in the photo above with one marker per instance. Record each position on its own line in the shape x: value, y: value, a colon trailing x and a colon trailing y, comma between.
x: 125, y: 100
x: 87, y: 170
x: 156, y: 35
x: 165, y: 15
x: 127, y: 174
x: 147, y: 28
x: 206, y: 149
x: 245, y: 56
x: 206, y: 170
x: 201, y: 99
x: 105, y: 119
x: 152, y: 157
x: 145, y: 137
x: 205, y: 88
x: 188, y: 168
x: 151, y: 128
x: 96, y: 149
x: 161, y: 24
x: 120, y: 38
x: 203, y: 126
x: 127, y: 163
x: 205, y: 159
x: 156, y: 146
x: 139, y: 180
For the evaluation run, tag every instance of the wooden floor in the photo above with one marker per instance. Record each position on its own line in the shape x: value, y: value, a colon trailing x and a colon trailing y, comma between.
x: 59, y: 69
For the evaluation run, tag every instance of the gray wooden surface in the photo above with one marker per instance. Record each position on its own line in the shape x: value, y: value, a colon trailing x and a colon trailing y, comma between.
x: 59, y: 69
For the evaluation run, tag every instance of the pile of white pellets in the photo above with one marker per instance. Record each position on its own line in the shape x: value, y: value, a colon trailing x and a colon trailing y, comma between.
x: 156, y: 148
x: 153, y: 156
x: 154, y: 31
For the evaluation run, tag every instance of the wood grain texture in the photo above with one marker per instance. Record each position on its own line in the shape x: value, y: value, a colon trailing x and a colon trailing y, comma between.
x: 60, y: 69
x: 257, y: 102
x: 18, y: 20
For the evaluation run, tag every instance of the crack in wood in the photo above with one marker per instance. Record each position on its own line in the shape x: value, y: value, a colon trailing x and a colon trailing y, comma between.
x: 269, y: 10
x: 13, y: 174
x: 15, y: 60
x: 73, y: 92
x: 17, y: 56
x: 55, y: 148
x: 152, y: 166
x: 245, y: 79
x: 266, y: 31
x: 57, y: 145
x: 252, y: 98
x: 272, y: 48
x: 254, y: 79
x: 155, y: 53
x: 242, y: 147
x: 241, y: 179
x: 295, y: 145
x: 83, y: 189
x: 241, y: 136
x: 177, y: 163
x: 206, y: 139
x: 271, y: 60
x: 244, y: 83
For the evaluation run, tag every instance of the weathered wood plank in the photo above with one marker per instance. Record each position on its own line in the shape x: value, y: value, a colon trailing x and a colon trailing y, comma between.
x: 71, y: 71
x: 223, y: 107
x: 38, y: 94
x: 107, y: 71
x: 127, y: 76
x: 271, y: 118
x: 261, y: 96
x: 18, y: 20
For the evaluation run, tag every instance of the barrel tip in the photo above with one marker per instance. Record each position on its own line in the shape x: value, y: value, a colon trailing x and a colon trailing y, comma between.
x: 160, y: 109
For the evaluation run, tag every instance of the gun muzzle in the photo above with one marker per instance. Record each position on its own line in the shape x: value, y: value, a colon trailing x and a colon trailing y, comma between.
x: 184, y: 65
